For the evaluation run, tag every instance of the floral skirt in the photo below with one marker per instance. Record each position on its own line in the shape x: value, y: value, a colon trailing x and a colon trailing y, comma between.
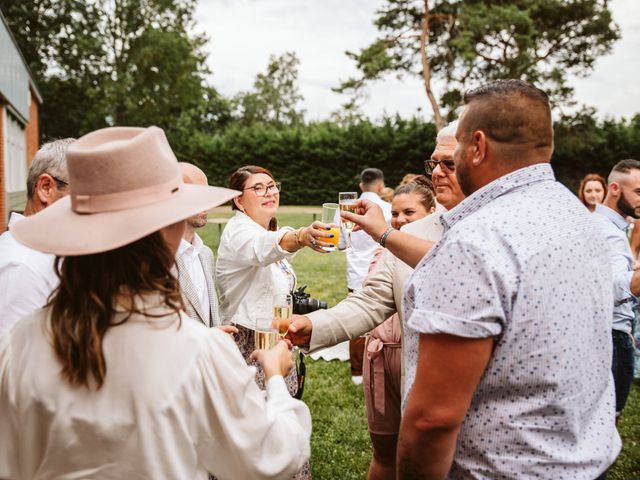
x: 246, y: 344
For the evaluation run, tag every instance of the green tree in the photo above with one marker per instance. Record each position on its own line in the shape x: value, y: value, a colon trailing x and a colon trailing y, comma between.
x: 124, y: 62
x: 275, y: 95
x: 467, y: 42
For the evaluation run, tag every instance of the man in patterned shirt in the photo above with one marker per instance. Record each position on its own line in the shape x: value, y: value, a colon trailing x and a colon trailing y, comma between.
x: 507, y: 336
x: 623, y: 200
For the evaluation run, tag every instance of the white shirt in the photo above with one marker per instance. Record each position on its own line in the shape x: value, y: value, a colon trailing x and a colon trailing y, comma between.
x: 177, y: 402
x: 363, y: 247
x: 190, y: 255
x: 521, y: 262
x: 27, y: 278
x: 251, y: 269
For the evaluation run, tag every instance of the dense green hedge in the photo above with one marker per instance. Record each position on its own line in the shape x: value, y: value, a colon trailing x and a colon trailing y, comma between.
x: 317, y: 160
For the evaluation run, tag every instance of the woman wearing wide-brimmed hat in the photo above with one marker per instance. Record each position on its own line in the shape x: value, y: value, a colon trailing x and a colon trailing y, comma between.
x: 111, y: 379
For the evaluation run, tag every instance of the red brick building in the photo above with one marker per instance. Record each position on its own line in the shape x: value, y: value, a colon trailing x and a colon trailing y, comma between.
x: 19, y: 131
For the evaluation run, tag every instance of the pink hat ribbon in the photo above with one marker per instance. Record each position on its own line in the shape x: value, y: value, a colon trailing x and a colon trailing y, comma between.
x: 124, y: 200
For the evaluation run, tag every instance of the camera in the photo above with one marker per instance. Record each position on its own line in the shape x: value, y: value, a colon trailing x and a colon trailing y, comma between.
x: 303, y: 303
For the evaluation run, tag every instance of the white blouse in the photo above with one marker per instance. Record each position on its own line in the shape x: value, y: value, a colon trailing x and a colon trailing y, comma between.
x: 178, y: 401
x: 251, y: 269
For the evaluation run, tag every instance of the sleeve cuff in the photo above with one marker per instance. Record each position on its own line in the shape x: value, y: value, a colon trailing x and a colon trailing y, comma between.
x: 277, y: 389
x: 281, y: 233
x: 428, y: 321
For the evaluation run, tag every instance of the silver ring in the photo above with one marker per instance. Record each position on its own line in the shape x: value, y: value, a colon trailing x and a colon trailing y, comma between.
x: 314, y: 242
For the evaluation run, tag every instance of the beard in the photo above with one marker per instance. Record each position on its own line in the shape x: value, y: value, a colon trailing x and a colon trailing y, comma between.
x: 462, y: 174
x: 625, y: 207
x: 198, y: 221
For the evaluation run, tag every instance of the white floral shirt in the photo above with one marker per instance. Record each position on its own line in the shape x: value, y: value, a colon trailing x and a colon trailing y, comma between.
x: 521, y: 261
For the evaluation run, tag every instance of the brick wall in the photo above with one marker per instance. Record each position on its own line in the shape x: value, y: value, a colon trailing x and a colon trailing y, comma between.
x: 3, y: 196
x: 32, y: 130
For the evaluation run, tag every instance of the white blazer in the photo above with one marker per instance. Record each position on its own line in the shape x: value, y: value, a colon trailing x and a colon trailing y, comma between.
x: 250, y: 270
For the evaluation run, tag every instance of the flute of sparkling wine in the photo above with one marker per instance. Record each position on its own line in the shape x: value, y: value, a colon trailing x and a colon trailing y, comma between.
x: 351, y: 208
x: 282, y: 318
x: 265, y: 340
x: 347, y: 201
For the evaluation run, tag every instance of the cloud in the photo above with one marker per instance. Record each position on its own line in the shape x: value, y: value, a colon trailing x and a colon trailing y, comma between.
x: 244, y: 33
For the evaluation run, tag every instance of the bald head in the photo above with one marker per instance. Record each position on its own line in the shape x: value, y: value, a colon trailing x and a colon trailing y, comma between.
x: 192, y: 174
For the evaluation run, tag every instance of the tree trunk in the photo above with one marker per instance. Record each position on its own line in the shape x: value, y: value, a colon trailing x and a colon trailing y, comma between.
x: 426, y: 71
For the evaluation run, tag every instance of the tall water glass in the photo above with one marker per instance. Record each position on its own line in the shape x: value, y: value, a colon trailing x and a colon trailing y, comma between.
x: 331, y: 216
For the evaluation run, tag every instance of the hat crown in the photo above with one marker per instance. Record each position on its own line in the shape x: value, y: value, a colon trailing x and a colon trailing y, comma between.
x: 119, y: 167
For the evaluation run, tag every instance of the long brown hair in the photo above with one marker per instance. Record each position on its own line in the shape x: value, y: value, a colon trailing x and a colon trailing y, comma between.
x: 238, y: 180
x: 83, y: 306
x: 591, y: 177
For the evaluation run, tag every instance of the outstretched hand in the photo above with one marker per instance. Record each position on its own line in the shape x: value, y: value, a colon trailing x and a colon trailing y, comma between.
x: 370, y: 219
x: 299, y: 332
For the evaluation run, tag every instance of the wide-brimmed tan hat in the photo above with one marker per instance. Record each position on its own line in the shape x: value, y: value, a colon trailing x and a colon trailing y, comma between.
x: 124, y: 185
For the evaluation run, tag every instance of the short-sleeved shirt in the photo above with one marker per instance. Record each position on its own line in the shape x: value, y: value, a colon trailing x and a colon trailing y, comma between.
x: 521, y: 262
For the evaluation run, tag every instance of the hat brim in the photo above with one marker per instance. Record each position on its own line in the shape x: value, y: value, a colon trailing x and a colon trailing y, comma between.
x: 59, y: 230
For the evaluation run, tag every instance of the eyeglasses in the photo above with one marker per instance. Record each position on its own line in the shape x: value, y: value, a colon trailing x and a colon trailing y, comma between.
x: 447, y: 166
x: 262, y: 190
x: 66, y: 184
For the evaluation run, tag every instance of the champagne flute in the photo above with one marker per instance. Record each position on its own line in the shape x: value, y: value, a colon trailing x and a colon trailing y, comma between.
x: 348, y: 201
x: 282, y: 311
x: 331, y: 216
x: 266, y: 335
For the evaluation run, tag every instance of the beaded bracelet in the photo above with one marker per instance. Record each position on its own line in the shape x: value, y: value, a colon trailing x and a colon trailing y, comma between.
x: 383, y: 238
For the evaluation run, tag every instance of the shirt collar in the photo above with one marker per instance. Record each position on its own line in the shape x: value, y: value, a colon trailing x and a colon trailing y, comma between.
x: 370, y: 196
x: 14, y: 218
x: 617, y: 219
x: 500, y: 186
x: 185, y: 248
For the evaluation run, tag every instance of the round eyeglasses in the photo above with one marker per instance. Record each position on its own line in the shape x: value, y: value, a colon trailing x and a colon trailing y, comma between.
x: 262, y: 190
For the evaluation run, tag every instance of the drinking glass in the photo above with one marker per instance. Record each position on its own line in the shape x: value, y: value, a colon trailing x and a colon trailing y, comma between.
x: 348, y: 201
x: 331, y: 216
x: 266, y: 334
x: 282, y: 311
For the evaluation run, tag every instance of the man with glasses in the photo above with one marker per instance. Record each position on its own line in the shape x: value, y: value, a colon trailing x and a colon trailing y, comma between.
x: 622, y: 201
x: 381, y: 295
x: 27, y: 276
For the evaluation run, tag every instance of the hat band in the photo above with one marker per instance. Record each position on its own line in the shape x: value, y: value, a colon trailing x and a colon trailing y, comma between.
x: 125, y: 200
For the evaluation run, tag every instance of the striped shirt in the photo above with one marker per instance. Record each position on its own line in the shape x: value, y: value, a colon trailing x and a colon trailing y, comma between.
x: 521, y: 262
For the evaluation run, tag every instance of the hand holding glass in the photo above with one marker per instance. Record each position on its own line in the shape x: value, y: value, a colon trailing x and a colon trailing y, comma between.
x: 348, y: 201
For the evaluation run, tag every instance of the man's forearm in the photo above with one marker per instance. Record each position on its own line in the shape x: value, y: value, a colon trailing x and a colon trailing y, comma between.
x: 408, y: 248
x: 425, y: 454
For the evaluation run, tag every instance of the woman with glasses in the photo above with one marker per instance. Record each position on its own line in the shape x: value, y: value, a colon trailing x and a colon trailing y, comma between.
x: 253, y: 259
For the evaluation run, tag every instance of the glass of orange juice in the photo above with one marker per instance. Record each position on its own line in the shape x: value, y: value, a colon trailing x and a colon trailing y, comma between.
x: 331, y: 216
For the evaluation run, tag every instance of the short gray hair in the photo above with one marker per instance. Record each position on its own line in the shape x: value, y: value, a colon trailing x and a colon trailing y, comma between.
x: 448, y: 131
x: 51, y: 159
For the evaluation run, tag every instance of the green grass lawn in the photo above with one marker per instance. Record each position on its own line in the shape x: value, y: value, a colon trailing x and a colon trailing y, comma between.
x: 340, y: 446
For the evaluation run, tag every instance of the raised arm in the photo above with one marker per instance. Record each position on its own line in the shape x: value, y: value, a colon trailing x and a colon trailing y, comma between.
x: 403, y: 245
x: 359, y: 313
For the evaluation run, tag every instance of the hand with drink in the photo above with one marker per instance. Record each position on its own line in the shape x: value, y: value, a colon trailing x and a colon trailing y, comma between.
x: 318, y: 236
x: 275, y: 361
x: 366, y: 216
x: 299, y: 333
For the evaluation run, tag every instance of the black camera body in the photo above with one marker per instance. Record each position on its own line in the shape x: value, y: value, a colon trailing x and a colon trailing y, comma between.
x: 303, y: 303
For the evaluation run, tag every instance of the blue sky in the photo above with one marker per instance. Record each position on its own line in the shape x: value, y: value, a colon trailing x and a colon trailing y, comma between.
x: 243, y: 33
